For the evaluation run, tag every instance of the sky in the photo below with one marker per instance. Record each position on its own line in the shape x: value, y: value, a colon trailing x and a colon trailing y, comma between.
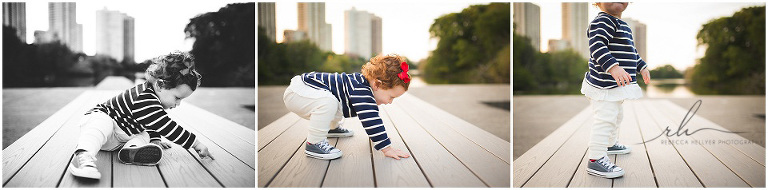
x: 405, y: 24
x: 671, y: 27
x: 159, y: 26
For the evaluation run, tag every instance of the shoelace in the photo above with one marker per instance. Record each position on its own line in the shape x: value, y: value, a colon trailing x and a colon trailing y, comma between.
x: 607, y: 163
x: 621, y: 146
x: 325, y: 146
x: 87, y: 160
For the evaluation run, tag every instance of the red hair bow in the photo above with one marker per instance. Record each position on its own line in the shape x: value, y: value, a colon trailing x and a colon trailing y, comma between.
x: 404, y: 75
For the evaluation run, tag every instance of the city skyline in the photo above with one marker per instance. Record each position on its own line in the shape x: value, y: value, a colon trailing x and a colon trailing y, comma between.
x: 677, y: 46
x: 404, y: 31
x: 156, y: 32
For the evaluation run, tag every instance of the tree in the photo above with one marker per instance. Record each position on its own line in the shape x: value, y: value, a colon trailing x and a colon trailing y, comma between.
x: 666, y: 72
x: 224, y: 45
x: 734, y: 62
x: 471, y: 46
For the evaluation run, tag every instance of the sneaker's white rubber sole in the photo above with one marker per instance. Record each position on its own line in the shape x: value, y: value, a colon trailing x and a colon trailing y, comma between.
x: 323, y: 156
x: 84, y: 173
x: 625, y: 151
x: 608, y: 175
x: 340, y: 135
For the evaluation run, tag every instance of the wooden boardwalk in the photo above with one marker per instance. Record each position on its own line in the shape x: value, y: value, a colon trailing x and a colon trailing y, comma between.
x: 706, y: 158
x: 446, y: 152
x: 40, y: 158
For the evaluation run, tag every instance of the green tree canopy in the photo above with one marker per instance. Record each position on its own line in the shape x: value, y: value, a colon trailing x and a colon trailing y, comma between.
x: 472, y: 46
x: 734, y: 62
x: 666, y: 72
x: 224, y: 45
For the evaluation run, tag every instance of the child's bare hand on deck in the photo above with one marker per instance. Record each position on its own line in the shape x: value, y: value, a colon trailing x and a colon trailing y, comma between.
x: 394, y: 153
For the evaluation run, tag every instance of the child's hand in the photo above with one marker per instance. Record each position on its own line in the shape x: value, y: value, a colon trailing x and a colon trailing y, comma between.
x: 160, y: 143
x: 202, y: 151
x: 620, y: 75
x: 394, y: 153
x: 646, y: 75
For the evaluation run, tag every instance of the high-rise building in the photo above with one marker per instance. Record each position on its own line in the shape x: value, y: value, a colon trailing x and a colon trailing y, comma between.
x: 638, y: 36
x: 114, y: 34
x: 527, y: 20
x: 42, y: 37
x: 362, y: 35
x: 62, y: 22
x: 266, y: 13
x: 128, y: 38
x: 376, y: 35
x: 575, y: 23
x: 15, y: 15
x: 312, y: 21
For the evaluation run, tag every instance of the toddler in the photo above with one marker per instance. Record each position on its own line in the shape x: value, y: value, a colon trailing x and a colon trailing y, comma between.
x: 134, y: 120
x: 613, y: 66
x: 326, y: 98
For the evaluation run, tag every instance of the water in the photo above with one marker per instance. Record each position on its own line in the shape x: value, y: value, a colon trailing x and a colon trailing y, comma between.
x: 668, y: 88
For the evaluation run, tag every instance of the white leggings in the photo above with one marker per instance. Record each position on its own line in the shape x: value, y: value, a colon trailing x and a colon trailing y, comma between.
x: 99, y: 132
x: 605, y: 129
x: 320, y: 107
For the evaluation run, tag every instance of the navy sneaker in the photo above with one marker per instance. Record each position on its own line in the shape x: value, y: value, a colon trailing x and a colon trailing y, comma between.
x: 619, y: 149
x: 604, y: 168
x: 147, y: 155
x: 322, y: 150
x: 340, y: 132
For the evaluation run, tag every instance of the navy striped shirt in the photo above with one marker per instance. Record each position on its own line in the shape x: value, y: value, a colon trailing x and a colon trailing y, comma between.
x: 356, y: 97
x: 611, y: 44
x: 138, y: 109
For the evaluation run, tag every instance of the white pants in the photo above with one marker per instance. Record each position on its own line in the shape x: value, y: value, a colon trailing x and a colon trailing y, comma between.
x: 605, y: 129
x: 320, y: 107
x: 99, y: 132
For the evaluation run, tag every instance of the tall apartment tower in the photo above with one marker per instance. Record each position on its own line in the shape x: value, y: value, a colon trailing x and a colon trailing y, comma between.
x: 114, y: 34
x: 62, y: 23
x: 363, y: 33
x: 639, y: 32
x: 527, y: 19
x: 266, y: 11
x: 15, y: 15
x: 312, y: 21
x: 575, y: 26
x: 376, y: 35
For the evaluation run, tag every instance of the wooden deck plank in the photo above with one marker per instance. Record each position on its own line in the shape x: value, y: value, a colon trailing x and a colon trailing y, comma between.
x: 496, y: 146
x: 211, y: 126
x: 180, y: 169
x: 274, y: 156
x: 733, y: 168
x: 355, y: 168
x: 581, y: 179
x: 636, y: 164
x: 274, y: 129
x: 135, y: 176
x: 525, y: 166
x: 45, y: 168
x: 396, y: 173
x: 753, y: 150
x: 228, y: 169
x: 559, y: 169
x: 303, y: 171
x: 103, y: 163
x: 669, y: 168
x: 18, y: 153
x: 441, y: 167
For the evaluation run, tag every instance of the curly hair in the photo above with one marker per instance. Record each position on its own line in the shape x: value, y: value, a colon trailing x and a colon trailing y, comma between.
x: 385, y: 68
x: 172, y: 70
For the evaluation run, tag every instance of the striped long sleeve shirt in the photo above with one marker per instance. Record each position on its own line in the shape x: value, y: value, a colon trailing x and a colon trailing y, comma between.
x: 138, y: 109
x: 356, y: 97
x: 611, y: 44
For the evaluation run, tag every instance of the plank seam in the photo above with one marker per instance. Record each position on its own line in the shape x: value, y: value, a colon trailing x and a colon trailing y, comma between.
x: 449, y: 151
x: 553, y: 153
x: 409, y: 149
x: 201, y: 164
x: 577, y: 169
x: 322, y: 180
x: 161, y: 176
x: 283, y: 166
x: 678, y: 152
x: 634, y: 110
x: 281, y: 133
x: 373, y: 168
